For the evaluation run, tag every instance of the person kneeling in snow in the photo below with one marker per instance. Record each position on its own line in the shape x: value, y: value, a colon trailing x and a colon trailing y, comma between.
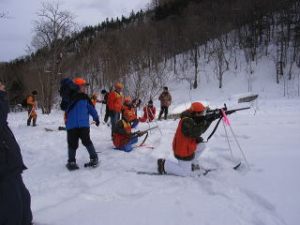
x: 187, y: 143
x: 149, y: 113
x: 123, y: 138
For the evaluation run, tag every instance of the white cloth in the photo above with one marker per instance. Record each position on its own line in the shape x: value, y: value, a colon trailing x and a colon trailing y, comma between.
x: 182, y: 167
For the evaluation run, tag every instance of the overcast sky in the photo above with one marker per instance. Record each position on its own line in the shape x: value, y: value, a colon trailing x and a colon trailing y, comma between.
x: 16, y: 31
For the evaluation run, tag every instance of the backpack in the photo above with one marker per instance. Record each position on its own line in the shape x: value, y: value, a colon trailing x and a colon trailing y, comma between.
x: 67, y: 91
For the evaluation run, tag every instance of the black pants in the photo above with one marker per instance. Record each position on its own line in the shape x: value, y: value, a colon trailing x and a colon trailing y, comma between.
x: 163, y: 109
x: 107, y: 114
x: 73, y: 137
x: 14, y: 202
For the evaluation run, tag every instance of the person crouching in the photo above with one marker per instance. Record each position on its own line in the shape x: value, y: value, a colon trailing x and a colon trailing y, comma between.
x: 123, y: 138
x: 187, y: 143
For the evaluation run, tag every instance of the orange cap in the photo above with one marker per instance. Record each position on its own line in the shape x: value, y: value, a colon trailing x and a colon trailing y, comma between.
x: 119, y: 85
x: 197, y: 107
x: 80, y: 81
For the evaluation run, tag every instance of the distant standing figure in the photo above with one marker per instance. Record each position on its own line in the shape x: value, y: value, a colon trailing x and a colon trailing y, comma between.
x: 31, y: 108
x: 165, y: 99
x: 14, y: 197
x: 104, y: 101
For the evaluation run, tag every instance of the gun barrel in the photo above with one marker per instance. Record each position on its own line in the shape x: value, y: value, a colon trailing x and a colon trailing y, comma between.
x: 235, y: 110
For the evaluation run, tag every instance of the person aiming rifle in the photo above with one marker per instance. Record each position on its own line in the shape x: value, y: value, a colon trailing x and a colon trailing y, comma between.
x: 188, y: 144
x: 123, y: 137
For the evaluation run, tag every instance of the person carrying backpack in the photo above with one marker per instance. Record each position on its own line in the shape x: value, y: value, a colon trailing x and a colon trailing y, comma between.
x: 187, y: 142
x: 78, y: 126
x: 15, y: 199
x: 31, y: 108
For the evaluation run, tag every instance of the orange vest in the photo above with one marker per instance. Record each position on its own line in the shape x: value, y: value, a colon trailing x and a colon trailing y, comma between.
x: 125, y: 108
x: 183, y: 146
x: 94, y: 101
x: 120, y: 140
x: 115, y: 101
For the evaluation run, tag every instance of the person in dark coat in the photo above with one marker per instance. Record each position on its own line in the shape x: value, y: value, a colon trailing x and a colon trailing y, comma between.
x: 104, y: 101
x: 15, y: 199
x: 165, y: 99
x: 78, y: 125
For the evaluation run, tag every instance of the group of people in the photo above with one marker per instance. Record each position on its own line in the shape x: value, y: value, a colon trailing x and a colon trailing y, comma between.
x: 120, y: 109
x: 187, y: 142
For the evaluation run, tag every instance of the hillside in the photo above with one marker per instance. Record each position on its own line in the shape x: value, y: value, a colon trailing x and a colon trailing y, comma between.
x: 172, y: 37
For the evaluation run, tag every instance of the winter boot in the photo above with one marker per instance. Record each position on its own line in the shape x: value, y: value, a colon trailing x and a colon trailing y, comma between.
x: 92, y: 163
x: 72, y: 166
x: 195, y: 167
x: 34, y: 122
x: 161, y: 166
x: 29, y: 121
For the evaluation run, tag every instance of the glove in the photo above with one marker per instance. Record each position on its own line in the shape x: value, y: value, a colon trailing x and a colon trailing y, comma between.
x: 199, y: 140
x: 97, y: 122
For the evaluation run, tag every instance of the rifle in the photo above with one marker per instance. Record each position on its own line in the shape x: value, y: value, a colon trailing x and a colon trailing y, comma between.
x: 216, y: 113
x: 212, y: 114
x: 141, y: 133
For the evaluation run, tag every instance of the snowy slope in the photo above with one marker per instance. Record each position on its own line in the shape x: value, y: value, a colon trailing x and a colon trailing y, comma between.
x: 265, y: 193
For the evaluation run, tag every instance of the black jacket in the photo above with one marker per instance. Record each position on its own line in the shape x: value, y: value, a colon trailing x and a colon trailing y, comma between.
x: 11, y: 162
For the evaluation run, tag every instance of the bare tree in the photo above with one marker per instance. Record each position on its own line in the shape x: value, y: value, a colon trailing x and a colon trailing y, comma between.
x: 51, y: 29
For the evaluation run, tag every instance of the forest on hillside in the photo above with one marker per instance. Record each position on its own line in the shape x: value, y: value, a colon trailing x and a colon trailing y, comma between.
x: 142, y: 50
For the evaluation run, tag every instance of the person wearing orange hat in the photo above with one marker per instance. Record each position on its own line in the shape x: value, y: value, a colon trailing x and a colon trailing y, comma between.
x: 78, y: 126
x: 128, y: 106
x: 187, y: 142
x: 115, y: 103
x: 123, y: 138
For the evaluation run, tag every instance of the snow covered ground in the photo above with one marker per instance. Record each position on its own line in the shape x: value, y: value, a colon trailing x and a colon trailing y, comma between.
x: 265, y: 193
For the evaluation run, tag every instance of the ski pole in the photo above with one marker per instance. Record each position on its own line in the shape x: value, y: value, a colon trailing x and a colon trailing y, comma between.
x: 227, y: 138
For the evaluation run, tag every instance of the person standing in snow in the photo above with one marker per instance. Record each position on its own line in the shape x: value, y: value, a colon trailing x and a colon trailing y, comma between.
x: 188, y: 143
x: 165, y: 99
x: 115, y: 103
x: 78, y: 126
x: 15, y: 199
x: 31, y: 108
x: 104, y: 101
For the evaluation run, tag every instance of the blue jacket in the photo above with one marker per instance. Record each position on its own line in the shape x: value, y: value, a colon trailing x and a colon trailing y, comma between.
x: 79, y: 111
x: 11, y: 162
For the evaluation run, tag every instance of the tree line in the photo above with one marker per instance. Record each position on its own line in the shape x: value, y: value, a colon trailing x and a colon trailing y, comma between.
x: 142, y: 50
